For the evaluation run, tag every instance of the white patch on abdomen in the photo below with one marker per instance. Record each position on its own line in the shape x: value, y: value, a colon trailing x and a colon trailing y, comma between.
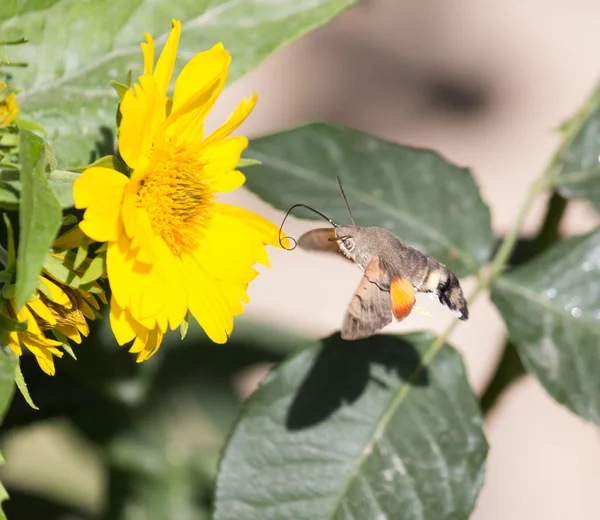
x: 433, y: 280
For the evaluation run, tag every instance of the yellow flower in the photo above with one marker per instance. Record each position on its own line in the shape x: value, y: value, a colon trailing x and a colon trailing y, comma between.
x: 8, y: 107
x: 54, y: 307
x: 171, y: 247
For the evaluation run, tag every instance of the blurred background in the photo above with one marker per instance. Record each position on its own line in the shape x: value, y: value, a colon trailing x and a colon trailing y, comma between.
x: 484, y: 83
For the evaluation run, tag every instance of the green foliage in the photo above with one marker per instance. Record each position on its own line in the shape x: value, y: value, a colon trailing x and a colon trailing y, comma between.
x: 66, y: 85
x: 552, y: 307
x: 39, y: 215
x: 385, y: 427
x: 577, y: 165
x: 416, y: 194
x: 363, y: 431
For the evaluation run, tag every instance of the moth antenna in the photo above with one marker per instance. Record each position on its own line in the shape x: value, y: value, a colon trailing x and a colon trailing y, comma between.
x: 339, y: 183
x: 288, y: 214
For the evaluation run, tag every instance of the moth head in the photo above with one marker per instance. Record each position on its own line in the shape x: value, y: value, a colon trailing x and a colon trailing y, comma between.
x: 345, y: 236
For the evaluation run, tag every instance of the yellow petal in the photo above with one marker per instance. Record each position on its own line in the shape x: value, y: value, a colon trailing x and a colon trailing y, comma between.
x: 43, y: 354
x: 166, y: 62
x: 138, y: 287
x: 25, y: 315
x: 236, y: 119
x: 267, y: 232
x: 55, y: 292
x: 100, y: 190
x: 229, y: 249
x: 207, y: 302
x: 120, y: 323
x: 90, y: 299
x: 148, y: 52
x: 40, y: 308
x: 71, y: 332
x: 139, y: 230
x: 14, y: 343
x: 199, y: 84
x: 143, y: 111
x: 147, y: 344
x: 222, y: 157
x: 175, y: 290
x: 96, y: 184
x: 228, y: 182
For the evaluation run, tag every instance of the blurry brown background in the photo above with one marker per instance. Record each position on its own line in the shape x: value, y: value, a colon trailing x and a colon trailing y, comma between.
x: 486, y: 84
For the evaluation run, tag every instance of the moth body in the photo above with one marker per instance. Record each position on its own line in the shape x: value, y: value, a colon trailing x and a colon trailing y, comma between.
x: 396, y: 259
x: 393, y: 272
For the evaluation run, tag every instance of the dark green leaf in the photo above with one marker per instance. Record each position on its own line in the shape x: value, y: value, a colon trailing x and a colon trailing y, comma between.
x: 8, y: 324
x: 552, y: 309
x: 66, y: 86
x: 10, y: 195
x: 108, y: 161
x: 22, y: 386
x: 11, y: 252
x: 577, y: 163
x: 428, y: 202
x: 39, y: 216
x: 8, y: 361
x: 361, y: 430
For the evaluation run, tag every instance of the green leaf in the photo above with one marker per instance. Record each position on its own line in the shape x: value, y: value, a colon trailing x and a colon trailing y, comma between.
x: 361, y: 430
x: 108, y: 161
x: 56, y: 268
x: 247, y: 162
x: 8, y: 324
x: 120, y: 88
x: 185, y: 325
x: 577, y: 163
x: 416, y: 194
x: 39, y: 215
x: 66, y: 86
x: 10, y: 195
x: 552, y: 309
x: 66, y: 345
x: 8, y: 362
x: 82, y: 252
x: 22, y: 386
x: 11, y: 253
x: 94, y: 270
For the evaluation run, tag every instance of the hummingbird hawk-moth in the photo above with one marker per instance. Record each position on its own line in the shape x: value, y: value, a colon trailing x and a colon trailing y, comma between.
x: 393, y: 272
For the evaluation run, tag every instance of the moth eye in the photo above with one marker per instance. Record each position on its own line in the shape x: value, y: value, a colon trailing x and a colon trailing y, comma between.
x: 349, y: 244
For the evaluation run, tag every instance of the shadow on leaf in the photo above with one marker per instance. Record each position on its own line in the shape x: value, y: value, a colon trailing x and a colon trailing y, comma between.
x: 104, y: 145
x: 342, y: 372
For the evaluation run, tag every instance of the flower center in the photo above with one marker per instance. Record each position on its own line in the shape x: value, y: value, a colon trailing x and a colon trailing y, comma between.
x: 175, y: 196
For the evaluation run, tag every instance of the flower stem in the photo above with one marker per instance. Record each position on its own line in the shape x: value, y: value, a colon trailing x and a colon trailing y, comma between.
x: 510, y: 367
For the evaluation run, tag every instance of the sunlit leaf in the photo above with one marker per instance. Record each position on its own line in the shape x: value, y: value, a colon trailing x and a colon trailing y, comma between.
x: 39, y: 215
x: 66, y: 86
x: 353, y: 431
x: 578, y: 162
x: 8, y: 362
x: 552, y: 309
